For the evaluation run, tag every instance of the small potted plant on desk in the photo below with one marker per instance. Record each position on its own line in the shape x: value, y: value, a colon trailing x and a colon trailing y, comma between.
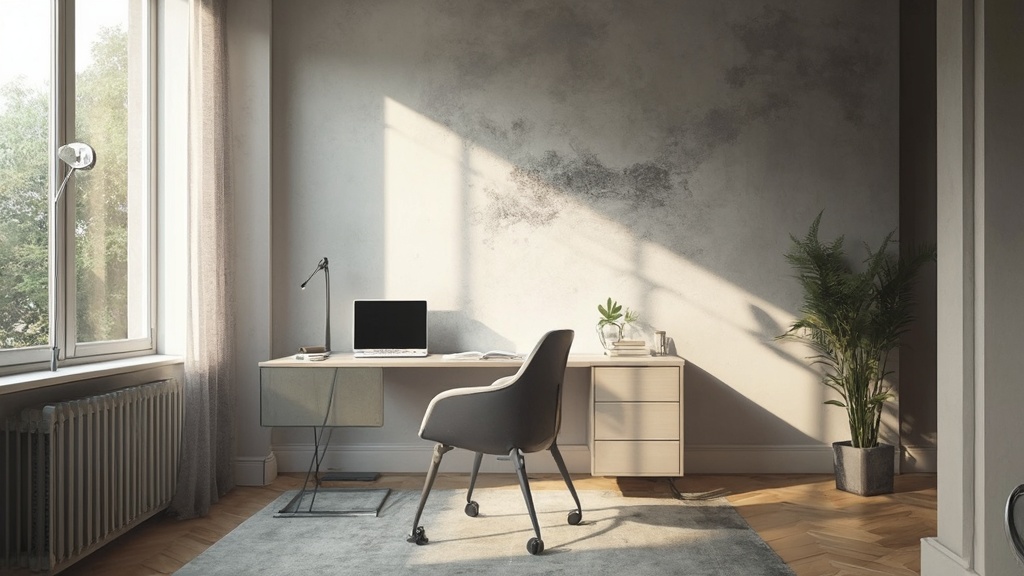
x: 613, y: 322
x: 853, y: 321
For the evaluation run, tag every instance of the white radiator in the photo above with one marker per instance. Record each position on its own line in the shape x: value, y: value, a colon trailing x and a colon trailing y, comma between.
x: 78, y: 474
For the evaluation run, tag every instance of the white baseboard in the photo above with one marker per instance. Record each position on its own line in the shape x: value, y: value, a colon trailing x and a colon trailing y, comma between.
x: 919, y: 459
x: 415, y: 458
x: 937, y: 560
x: 255, y: 470
x: 758, y: 459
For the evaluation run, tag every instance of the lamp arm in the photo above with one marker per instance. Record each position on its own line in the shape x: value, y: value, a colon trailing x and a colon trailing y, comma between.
x: 60, y: 191
x: 322, y: 265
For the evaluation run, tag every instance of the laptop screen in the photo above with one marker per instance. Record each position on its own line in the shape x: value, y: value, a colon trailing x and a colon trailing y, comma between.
x: 389, y: 327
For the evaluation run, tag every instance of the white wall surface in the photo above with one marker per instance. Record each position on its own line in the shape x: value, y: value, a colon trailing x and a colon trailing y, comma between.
x: 981, y: 322
x: 249, y: 39
x: 517, y: 164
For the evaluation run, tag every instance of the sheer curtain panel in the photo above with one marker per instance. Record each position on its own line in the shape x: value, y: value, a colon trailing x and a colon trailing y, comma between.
x: 205, y: 471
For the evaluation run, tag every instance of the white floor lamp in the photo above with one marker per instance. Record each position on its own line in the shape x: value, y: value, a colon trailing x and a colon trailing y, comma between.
x: 78, y: 156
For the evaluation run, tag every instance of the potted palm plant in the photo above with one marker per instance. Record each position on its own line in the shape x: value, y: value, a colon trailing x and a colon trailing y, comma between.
x: 853, y: 320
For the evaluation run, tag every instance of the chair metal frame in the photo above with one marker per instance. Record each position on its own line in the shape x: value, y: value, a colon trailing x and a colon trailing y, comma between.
x: 535, y: 429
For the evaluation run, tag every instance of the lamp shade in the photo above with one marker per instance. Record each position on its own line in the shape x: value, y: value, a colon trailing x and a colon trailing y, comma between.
x: 77, y: 155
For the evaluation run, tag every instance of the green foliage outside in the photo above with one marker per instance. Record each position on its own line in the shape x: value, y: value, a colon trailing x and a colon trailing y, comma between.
x: 24, y: 217
x: 854, y: 320
x: 101, y: 225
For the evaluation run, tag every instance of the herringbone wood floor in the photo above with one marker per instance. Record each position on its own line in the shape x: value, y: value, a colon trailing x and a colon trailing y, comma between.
x: 816, y: 529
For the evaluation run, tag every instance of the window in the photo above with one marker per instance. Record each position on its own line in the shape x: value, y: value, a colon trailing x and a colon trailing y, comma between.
x: 75, y: 71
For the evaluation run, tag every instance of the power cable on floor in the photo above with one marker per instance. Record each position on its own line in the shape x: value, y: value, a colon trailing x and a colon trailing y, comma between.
x: 709, y: 495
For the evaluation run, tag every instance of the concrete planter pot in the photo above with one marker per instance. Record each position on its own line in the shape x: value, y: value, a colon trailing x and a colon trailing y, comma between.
x: 863, y: 471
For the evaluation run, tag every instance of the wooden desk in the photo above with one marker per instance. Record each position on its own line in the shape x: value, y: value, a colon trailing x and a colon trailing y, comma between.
x: 635, y: 409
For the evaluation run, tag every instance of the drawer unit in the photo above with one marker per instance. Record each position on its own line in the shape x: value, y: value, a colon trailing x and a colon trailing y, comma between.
x: 637, y: 458
x: 637, y: 421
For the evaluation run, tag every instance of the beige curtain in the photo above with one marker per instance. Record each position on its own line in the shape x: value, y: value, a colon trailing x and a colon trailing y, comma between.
x: 205, y: 471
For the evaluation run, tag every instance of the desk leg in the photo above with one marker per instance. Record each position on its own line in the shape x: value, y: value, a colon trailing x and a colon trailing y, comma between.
x: 369, y: 501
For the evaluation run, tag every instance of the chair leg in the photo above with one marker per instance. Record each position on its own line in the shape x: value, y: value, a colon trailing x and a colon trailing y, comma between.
x: 418, y: 534
x: 472, y: 508
x: 534, y: 545
x: 576, y: 515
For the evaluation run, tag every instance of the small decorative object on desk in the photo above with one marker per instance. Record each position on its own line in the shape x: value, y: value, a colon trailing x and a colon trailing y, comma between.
x: 660, y: 343
x: 613, y: 322
x: 628, y: 348
x: 474, y: 355
x: 312, y: 353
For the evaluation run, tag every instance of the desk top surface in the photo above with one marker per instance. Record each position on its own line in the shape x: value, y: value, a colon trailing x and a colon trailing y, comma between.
x: 346, y: 360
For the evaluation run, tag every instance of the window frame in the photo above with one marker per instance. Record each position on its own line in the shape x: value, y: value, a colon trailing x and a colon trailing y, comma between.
x: 62, y: 218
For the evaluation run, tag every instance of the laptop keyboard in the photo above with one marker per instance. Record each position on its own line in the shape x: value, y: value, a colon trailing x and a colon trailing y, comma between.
x: 388, y: 353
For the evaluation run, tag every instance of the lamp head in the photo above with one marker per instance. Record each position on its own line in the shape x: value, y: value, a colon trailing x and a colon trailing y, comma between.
x: 77, y: 155
x: 322, y: 265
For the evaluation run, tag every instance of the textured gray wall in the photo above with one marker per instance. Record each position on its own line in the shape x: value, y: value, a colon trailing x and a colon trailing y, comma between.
x: 517, y: 163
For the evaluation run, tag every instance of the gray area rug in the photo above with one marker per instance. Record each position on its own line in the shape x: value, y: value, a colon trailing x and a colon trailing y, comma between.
x: 618, y: 535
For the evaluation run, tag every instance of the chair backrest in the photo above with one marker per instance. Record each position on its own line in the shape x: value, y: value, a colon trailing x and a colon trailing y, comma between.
x: 537, y: 391
x: 521, y: 411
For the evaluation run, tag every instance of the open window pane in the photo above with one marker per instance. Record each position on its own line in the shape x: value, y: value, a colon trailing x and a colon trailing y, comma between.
x: 76, y: 71
x: 24, y: 173
x: 110, y: 200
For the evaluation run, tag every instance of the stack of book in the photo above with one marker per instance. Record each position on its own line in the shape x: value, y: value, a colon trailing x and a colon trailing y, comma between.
x: 628, y: 348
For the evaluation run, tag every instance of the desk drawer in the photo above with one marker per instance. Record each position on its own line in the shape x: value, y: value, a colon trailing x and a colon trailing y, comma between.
x: 636, y: 421
x: 636, y: 458
x: 636, y: 384
x: 302, y: 396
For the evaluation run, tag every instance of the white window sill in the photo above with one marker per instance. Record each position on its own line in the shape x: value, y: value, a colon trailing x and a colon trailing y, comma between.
x: 67, y: 374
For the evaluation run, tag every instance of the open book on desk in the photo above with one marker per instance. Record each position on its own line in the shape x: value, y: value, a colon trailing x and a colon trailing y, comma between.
x: 491, y: 355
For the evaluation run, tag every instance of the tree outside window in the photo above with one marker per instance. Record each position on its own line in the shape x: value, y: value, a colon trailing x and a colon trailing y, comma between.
x: 103, y: 205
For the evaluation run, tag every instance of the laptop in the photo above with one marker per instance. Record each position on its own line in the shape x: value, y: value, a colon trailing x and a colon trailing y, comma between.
x: 389, y: 328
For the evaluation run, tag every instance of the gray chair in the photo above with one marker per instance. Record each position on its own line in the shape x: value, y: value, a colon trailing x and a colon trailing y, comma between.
x: 1010, y: 518
x: 513, y: 416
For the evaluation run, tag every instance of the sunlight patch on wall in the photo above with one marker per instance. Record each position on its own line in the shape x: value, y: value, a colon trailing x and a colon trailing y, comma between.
x: 424, y: 185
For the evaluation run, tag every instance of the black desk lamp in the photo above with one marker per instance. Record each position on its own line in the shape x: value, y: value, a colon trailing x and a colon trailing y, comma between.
x: 322, y: 265
x: 360, y: 476
x: 78, y: 156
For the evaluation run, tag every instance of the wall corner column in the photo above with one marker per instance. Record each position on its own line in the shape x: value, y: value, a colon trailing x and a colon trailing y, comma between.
x: 249, y: 80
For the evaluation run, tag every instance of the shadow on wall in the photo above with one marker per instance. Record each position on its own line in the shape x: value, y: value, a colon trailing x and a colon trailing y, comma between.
x: 769, y: 330
x: 456, y: 331
x: 716, y: 414
x: 641, y: 152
